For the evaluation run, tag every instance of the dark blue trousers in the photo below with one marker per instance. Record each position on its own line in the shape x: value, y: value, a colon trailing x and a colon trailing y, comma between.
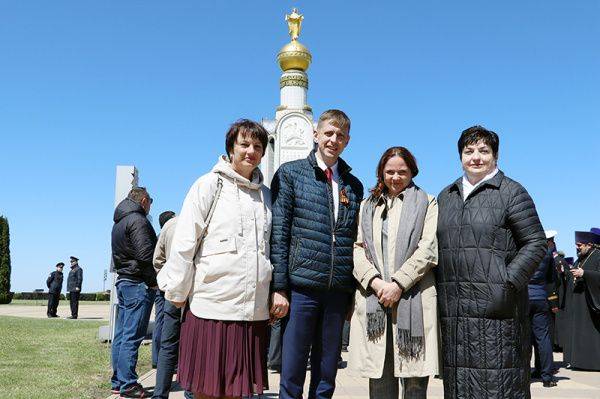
x: 169, y: 352
x: 539, y: 314
x: 275, y: 344
x: 317, y: 320
x: 159, y: 304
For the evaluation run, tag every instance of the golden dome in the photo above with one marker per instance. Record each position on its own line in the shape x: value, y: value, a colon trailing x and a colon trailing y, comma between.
x: 294, y: 56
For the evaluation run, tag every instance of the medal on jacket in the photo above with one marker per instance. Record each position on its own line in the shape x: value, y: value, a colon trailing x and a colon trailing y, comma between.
x: 344, y: 197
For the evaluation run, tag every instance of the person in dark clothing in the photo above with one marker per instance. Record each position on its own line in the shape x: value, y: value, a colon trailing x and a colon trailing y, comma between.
x: 159, y: 299
x: 582, y: 349
x: 346, y: 336
x: 74, y: 282
x: 275, y: 345
x: 316, y: 202
x: 133, y: 241
x: 539, y: 315
x: 54, y: 283
x: 167, y: 340
x: 560, y: 322
x: 490, y: 242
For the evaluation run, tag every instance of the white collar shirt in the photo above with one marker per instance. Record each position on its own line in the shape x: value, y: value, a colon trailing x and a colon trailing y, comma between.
x: 334, y: 184
x: 468, y: 187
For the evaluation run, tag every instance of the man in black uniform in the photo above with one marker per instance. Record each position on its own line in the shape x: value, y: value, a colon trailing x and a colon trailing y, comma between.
x: 582, y: 349
x: 74, y: 282
x: 54, y: 283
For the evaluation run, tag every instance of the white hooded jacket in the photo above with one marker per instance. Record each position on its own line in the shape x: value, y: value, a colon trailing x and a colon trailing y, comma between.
x: 229, y: 277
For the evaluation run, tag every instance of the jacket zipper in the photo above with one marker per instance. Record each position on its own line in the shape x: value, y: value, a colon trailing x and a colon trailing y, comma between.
x: 332, y: 220
x: 462, y: 212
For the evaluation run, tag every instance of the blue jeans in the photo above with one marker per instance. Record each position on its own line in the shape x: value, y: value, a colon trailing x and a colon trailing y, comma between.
x: 159, y: 303
x: 169, y: 352
x: 316, y: 320
x: 135, y: 305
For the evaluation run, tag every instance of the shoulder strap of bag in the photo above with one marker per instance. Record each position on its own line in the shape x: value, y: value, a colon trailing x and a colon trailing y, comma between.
x: 213, y: 205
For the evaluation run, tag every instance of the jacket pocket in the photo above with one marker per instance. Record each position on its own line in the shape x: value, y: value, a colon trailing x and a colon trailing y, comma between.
x: 502, y: 303
x: 218, y: 245
x: 294, y: 255
x: 218, y: 256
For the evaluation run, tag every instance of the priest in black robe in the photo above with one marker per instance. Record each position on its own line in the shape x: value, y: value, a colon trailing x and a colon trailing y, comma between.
x: 582, y: 349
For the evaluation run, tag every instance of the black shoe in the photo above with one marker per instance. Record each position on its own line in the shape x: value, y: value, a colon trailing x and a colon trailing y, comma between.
x: 344, y: 349
x: 536, y: 375
x: 72, y: 317
x: 136, y: 391
x: 549, y: 384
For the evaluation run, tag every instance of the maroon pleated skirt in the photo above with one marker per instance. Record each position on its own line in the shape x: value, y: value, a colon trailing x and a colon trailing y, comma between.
x: 222, y: 358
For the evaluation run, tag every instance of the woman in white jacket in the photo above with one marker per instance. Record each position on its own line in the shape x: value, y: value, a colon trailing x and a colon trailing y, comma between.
x: 220, y: 265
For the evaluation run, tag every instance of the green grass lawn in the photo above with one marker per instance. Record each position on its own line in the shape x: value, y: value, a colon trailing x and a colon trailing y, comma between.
x: 42, y: 358
x: 44, y: 302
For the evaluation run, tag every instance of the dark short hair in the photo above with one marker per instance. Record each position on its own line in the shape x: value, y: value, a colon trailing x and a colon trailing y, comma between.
x: 337, y: 118
x: 165, y: 217
x: 402, y: 152
x: 478, y: 133
x: 137, y: 194
x: 246, y: 127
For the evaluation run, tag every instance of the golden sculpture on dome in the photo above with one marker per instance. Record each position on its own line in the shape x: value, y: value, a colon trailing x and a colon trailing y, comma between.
x: 294, y: 55
x: 294, y: 21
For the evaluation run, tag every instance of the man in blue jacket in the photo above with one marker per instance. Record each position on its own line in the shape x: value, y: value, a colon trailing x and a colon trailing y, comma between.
x: 316, y: 202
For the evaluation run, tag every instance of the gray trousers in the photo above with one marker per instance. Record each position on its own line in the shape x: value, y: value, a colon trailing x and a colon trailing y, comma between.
x: 387, y: 386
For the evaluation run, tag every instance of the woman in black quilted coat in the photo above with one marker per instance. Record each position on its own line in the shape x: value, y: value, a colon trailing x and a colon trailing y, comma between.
x: 490, y: 243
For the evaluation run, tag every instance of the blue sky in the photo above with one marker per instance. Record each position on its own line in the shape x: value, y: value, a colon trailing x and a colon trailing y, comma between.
x: 86, y: 86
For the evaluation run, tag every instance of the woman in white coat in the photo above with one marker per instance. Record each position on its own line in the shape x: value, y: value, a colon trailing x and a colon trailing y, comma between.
x: 394, y: 330
x: 219, y: 264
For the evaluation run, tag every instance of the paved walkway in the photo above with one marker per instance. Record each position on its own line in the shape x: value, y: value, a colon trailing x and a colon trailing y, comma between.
x: 571, y: 384
x: 86, y: 311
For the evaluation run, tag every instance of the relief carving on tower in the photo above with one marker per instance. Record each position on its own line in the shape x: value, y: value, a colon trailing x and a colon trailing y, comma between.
x: 293, y: 133
x: 295, y: 137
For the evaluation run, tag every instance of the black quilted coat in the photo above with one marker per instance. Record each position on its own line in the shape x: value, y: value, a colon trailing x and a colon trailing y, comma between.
x: 309, y: 248
x: 489, y: 246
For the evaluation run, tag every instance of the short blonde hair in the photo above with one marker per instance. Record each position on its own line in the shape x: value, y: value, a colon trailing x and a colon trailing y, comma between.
x: 337, y: 118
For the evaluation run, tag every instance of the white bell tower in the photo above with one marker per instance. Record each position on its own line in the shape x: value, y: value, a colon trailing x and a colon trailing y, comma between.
x: 291, y: 132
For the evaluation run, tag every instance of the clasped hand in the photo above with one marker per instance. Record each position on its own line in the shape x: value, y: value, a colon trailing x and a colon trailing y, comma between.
x: 388, y: 293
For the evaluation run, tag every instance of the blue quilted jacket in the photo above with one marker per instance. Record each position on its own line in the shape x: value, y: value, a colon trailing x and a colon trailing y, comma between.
x: 309, y: 248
